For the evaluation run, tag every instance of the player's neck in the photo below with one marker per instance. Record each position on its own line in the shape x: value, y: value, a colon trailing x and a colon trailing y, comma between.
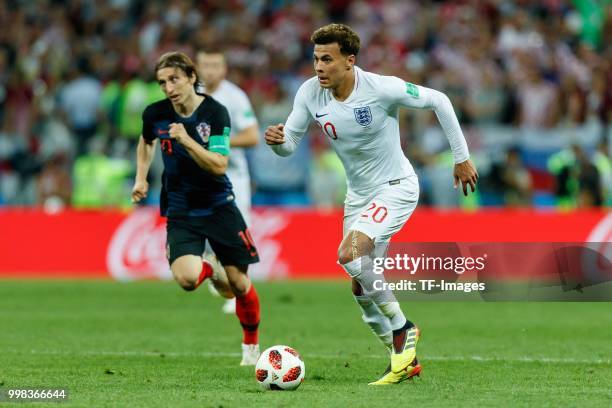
x: 344, y: 90
x: 187, y: 108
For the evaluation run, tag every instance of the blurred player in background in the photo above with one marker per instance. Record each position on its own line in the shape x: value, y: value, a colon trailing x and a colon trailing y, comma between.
x: 196, y: 194
x: 358, y: 110
x: 212, y: 70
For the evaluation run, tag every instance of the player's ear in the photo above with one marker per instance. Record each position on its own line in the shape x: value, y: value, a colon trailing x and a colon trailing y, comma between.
x: 350, y: 61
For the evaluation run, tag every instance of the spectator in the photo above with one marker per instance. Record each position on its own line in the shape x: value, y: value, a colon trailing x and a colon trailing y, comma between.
x: 79, y: 101
x: 485, y: 103
x: 538, y: 97
x: 99, y: 180
x: 603, y: 163
x: 588, y: 181
x: 53, y: 184
x: 513, y: 180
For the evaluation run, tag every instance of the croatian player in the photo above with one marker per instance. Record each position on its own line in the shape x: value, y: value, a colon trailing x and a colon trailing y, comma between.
x: 196, y: 195
x: 212, y: 70
x: 357, y: 110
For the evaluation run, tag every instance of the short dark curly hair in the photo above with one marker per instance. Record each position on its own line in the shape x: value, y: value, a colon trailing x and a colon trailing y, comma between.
x: 347, y: 39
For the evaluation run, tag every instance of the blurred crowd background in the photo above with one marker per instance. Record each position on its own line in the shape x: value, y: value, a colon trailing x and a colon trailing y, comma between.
x: 531, y: 82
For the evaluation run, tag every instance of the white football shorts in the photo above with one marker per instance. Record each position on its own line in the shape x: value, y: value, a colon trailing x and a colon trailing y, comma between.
x: 382, y: 211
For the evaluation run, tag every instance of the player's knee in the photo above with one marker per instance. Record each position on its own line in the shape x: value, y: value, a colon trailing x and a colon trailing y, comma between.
x: 187, y: 284
x: 186, y: 270
x: 355, y: 245
x: 345, y: 255
x: 186, y: 281
x: 239, y: 287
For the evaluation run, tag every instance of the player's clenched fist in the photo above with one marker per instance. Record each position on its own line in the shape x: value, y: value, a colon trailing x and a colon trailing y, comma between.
x: 275, y: 135
x: 177, y: 132
x: 140, y: 190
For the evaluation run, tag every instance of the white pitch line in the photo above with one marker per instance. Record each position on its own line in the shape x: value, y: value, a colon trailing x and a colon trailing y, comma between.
x: 205, y: 354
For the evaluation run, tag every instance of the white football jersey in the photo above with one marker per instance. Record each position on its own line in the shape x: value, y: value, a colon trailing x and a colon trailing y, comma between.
x: 241, y: 116
x: 364, y: 128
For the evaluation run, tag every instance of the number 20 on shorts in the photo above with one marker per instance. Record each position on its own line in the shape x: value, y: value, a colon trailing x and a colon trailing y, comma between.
x: 376, y: 212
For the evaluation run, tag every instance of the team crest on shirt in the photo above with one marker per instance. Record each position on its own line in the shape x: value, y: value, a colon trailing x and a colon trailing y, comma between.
x: 363, y: 115
x: 203, y: 130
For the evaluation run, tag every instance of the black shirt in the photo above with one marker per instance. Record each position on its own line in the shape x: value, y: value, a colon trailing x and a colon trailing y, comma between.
x: 187, y: 189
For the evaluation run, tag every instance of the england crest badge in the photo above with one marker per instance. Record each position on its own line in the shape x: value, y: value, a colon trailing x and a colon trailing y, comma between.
x: 203, y: 130
x: 363, y: 115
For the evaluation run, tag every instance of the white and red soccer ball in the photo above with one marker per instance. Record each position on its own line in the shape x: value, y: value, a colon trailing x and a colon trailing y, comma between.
x: 280, y: 368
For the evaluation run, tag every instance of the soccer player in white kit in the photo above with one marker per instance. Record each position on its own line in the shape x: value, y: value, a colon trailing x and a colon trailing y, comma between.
x: 212, y: 69
x: 357, y: 110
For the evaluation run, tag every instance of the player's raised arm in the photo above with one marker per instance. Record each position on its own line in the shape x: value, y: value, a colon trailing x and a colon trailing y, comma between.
x: 213, y: 160
x: 145, y: 151
x: 398, y: 92
x: 284, y: 138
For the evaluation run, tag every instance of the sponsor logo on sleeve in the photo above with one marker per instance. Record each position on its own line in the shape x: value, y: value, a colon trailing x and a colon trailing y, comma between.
x: 412, y: 90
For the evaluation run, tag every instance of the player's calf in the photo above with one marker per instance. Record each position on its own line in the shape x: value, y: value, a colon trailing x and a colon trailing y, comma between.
x: 247, y: 311
x: 359, y: 267
x: 238, y: 279
x: 219, y: 281
x: 353, y: 257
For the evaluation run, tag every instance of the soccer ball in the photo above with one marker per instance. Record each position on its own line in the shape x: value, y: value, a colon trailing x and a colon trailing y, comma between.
x: 280, y: 368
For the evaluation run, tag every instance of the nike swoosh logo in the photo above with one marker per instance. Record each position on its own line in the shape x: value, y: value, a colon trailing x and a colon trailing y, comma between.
x: 320, y: 116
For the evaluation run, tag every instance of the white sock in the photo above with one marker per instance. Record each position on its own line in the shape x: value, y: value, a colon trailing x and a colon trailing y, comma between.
x: 379, y: 323
x: 361, y: 270
x: 394, y: 313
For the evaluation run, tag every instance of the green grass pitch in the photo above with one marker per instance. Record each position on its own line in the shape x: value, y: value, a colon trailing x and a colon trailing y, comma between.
x: 149, y: 344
